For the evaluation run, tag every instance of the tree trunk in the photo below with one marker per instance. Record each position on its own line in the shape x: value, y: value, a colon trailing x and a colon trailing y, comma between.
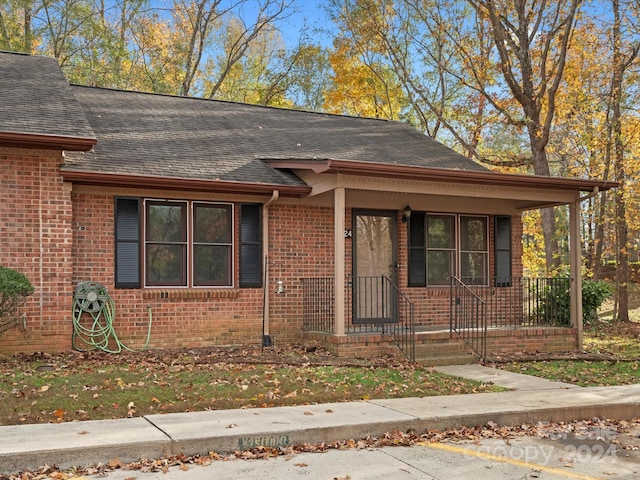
x: 618, y: 68
x: 541, y: 167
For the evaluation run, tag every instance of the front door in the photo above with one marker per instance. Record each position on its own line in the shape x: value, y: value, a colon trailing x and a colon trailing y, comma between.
x: 375, y: 265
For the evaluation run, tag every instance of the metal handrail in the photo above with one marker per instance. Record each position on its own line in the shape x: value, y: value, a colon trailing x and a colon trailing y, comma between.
x: 403, y: 331
x: 467, y: 317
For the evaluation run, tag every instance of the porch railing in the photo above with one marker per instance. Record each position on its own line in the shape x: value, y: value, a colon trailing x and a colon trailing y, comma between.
x: 476, y: 304
x: 372, y: 305
x: 468, y: 316
x: 519, y: 301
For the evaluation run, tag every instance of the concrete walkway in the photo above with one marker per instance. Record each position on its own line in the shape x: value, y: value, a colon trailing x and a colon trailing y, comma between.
x: 502, y: 378
x: 153, y: 436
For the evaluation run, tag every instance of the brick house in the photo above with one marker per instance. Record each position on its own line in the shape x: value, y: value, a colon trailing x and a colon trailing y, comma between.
x: 224, y: 223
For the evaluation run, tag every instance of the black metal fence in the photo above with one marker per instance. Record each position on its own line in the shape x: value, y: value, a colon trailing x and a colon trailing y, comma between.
x: 375, y: 304
x: 519, y: 301
x: 468, y: 316
x: 506, y: 302
x: 372, y: 305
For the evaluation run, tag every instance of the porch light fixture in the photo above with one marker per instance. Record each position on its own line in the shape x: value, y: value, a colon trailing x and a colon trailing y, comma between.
x: 280, y: 287
x: 407, y: 214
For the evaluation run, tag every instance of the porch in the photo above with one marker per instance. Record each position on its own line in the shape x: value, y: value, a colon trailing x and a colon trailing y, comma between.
x: 486, y: 317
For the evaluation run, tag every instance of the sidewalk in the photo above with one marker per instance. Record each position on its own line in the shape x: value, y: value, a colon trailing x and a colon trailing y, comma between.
x: 153, y: 436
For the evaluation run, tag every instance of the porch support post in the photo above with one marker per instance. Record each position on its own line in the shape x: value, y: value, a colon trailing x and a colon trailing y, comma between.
x: 339, y: 249
x: 575, y: 256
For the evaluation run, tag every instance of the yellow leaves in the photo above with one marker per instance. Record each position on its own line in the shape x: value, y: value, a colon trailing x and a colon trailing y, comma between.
x: 363, y: 89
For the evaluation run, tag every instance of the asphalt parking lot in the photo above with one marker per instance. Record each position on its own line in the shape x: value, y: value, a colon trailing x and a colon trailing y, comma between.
x: 588, y: 455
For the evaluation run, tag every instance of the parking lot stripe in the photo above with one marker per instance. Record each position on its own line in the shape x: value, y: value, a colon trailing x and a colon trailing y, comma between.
x: 498, y: 458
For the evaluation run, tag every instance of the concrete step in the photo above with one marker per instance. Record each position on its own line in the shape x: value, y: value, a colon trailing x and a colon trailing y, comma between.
x: 446, y: 360
x: 439, y: 350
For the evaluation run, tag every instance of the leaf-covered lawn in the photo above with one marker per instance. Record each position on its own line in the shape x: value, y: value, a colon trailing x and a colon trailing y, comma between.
x: 611, y: 357
x: 90, y: 386
x: 584, y: 373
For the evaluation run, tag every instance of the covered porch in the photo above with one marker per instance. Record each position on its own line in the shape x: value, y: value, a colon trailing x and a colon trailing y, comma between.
x: 391, y: 288
x: 480, y: 316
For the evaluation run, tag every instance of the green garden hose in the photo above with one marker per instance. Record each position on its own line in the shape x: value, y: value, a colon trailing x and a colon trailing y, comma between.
x: 93, y: 314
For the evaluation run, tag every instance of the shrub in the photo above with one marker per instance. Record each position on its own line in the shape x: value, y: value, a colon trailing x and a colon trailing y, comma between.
x: 555, y: 305
x: 14, y: 290
x: 593, y: 296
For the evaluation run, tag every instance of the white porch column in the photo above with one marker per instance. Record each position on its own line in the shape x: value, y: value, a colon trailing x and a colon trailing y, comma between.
x: 575, y: 256
x: 339, y: 249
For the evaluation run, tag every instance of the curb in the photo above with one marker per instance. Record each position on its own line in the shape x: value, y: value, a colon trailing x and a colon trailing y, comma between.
x: 65, y: 445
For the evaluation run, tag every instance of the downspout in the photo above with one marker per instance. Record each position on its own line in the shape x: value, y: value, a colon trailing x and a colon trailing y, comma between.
x: 576, y: 266
x: 266, y: 337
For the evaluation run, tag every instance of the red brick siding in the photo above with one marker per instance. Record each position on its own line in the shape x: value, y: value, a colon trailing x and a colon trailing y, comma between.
x: 35, y: 234
x: 532, y: 340
x: 59, y: 238
x: 298, y: 249
x: 204, y: 317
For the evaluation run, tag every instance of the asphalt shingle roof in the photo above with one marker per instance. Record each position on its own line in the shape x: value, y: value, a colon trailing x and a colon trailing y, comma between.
x: 161, y: 135
x: 35, y: 98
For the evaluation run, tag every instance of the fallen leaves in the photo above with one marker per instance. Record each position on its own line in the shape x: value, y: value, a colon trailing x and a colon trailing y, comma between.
x: 593, y: 429
x: 96, y: 385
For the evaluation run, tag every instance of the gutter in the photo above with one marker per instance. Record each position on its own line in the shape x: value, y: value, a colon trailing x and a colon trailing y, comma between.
x: 434, y: 174
x: 47, y: 142
x: 266, y: 337
x: 182, y: 184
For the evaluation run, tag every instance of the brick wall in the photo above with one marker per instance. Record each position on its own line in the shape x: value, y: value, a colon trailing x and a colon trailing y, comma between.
x: 207, y: 316
x: 35, y: 239
x: 59, y: 238
x: 532, y: 339
x: 302, y: 248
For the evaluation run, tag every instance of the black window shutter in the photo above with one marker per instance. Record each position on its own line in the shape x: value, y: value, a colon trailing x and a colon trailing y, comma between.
x: 250, y: 245
x: 417, y: 251
x: 503, y: 251
x: 127, y: 242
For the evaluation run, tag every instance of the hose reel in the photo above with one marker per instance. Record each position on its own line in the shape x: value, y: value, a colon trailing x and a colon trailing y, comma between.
x: 93, y: 314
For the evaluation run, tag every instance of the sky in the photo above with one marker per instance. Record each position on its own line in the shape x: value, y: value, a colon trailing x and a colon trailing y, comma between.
x: 308, y: 12
x: 307, y: 15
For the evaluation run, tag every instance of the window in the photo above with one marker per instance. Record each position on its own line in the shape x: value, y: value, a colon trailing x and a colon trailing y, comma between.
x: 444, y: 246
x: 184, y: 244
x: 212, y: 246
x: 474, y: 251
x: 166, y: 243
x: 441, y: 249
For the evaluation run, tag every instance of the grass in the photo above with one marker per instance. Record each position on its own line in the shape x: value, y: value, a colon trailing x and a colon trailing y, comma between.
x: 583, y: 373
x: 613, y: 349
x: 58, y: 388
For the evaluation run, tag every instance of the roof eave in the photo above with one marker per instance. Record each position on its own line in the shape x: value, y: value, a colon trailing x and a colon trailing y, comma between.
x: 411, y: 172
x: 47, y: 142
x: 183, y: 184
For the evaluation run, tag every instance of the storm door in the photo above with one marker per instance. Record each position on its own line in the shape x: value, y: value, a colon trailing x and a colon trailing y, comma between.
x: 375, y: 265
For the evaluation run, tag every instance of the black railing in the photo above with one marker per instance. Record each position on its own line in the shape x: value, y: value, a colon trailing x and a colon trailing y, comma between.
x: 376, y: 305
x: 468, y: 316
x: 318, y: 304
x: 522, y: 301
x: 372, y: 305
x: 477, y: 304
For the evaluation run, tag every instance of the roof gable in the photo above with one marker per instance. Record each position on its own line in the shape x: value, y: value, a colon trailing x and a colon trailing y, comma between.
x: 37, y: 107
